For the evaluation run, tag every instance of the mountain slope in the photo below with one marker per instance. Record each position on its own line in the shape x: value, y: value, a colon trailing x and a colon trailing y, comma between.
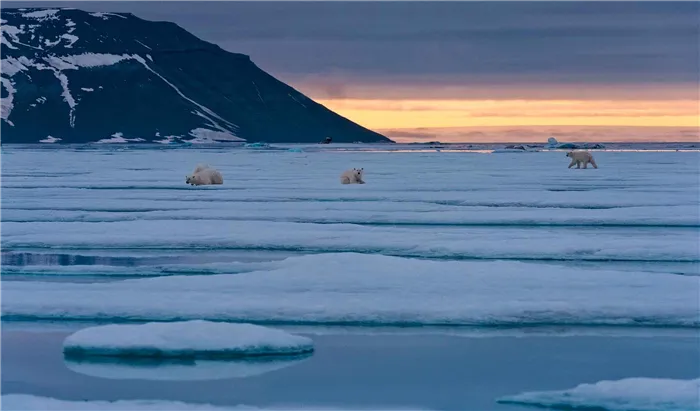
x: 82, y: 77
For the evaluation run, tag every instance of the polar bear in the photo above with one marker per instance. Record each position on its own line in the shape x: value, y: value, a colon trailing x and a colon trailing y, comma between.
x: 578, y: 157
x: 353, y: 176
x: 204, y: 175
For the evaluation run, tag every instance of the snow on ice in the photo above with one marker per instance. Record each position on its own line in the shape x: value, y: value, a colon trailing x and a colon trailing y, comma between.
x: 353, y: 288
x: 195, y: 338
x: 639, y: 394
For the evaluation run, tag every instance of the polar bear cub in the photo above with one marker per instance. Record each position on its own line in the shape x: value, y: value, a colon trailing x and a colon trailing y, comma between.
x: 353, y: 176
x: 578, y: 157
x: 204, y: 175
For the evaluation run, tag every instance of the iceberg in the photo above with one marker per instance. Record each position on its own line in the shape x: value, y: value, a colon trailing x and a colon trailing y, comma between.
x: 370, y: 289
x: 184, y: 339
x: 552, y: 143
x: 629, y: 394
x: 258, y: 145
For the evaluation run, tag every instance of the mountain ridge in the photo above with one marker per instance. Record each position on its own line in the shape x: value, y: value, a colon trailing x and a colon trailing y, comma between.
x: 72, y: 76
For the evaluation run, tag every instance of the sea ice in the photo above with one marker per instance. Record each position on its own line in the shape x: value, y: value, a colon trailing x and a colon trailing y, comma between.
x: 198, y: 339
x: 629, y: 394
x: 24, y: 402
x: 455, y: 242
x: 366, y: 289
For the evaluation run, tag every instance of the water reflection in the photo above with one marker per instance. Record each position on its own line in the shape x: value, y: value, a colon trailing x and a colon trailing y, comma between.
x: 179, y: 369
x: 27, y: 258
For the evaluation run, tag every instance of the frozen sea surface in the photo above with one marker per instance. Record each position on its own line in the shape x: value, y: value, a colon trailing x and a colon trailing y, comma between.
x: 638, y: 394
x: 452, y: 239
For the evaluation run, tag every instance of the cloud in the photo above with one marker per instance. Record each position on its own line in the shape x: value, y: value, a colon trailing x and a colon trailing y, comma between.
x: 541, y: 134
x: 565, y: 42
x: 411, y: 135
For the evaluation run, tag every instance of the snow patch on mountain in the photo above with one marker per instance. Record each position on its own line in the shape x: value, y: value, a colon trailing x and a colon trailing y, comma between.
x: 118, y: 138
x: 94, y: 59
x: 12, y: 66
x: 67, y: 96
x: 71, y: 38
x: 208, y: 111
x: 203, y: 135
x: 11, y: 32
x: 50, y: 140
x: 144, y: 46
x: 106, y: 16
x: 7, y: 103
x: 42, y: 15
x: 167, y: 139
x: 59, y: 63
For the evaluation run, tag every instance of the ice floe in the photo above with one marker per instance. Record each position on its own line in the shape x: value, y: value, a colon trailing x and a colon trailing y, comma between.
x: 629, y: 394
x: 184, y: 339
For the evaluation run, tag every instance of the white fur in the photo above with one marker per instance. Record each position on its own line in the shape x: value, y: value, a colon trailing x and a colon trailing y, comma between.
x: 353, y: 176
x: 204, y: 175
x: 579, y: 157
x: 199, y: 168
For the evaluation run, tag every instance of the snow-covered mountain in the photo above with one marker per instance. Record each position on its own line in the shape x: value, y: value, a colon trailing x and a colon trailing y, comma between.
x: 71, y: 76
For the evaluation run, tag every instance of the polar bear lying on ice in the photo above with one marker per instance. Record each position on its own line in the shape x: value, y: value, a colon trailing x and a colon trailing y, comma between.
x: 203, y: 175
x: 353, y: 176
x: 578, y: 157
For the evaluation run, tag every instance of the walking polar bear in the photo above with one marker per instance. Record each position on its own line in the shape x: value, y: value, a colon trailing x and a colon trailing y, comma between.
x: 203, y: 175
x: 578, y: 157
x: 353, y: 176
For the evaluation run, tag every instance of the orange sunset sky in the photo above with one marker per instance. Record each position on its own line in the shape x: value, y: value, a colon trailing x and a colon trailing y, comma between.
x: 516, y: 113
x: 668, y: 119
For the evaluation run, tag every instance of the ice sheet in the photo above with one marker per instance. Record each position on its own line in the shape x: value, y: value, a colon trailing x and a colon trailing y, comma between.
x: 359, y: 289
x: 184, y: 339
x: 638, y: 394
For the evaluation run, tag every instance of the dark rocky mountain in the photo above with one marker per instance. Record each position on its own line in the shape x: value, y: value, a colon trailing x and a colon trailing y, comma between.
x: 83, y: 77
